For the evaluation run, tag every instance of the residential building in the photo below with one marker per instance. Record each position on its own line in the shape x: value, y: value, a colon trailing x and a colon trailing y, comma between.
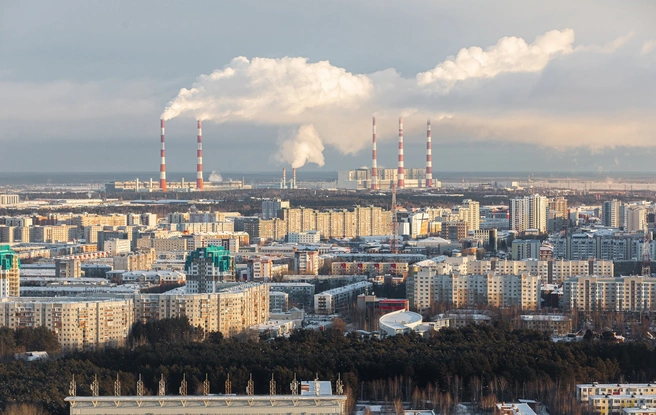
x: 79, y: 324
x: 270, y: 207
x: 593, y: 293
x: 429, y: 287
x: 306, y: 262
x: 9, y: 272
x: 305, y: 237
x: 370, y: 268
x: 68, y: 268
x: 133, y: 261
x: 339, y: 299
x: 278, y: 302
x: 557, y: 324
x: 528, y: 212
x: 207, y: 268
x: 611, y: 213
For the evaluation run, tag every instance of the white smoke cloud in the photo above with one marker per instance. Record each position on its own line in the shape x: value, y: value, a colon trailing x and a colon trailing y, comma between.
x: 509, y: 54
x: 333, y: 106
x: 303, y: 146
x: 271, y: 90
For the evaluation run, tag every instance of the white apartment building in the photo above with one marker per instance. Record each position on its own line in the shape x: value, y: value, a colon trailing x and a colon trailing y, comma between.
x: 78, y: 324
x: 339, y: 299
x: 306, y: 262
x: 306, y: 237
x: 117, y: 246
x: 133, y: 261
x: 634, y: 293
x: 528, y: 212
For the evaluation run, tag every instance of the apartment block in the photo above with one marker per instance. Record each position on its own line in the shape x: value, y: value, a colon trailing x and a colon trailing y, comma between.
x: 428, y: 287
x: 133, y: 261
x: 339, y: 299
x: 592, y: 293
x: 208, y: 267
x: 78, y: 324
x: 9, y: 272
x: 370, y: 268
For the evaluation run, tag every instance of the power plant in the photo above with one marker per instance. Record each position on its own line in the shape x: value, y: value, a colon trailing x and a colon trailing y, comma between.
x: 372, y: 179
x: 377, y: 178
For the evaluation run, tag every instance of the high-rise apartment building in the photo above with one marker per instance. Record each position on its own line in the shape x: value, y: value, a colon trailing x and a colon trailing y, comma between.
x: 528, y: 212
x: 270, y: 207
x: 473, y: 217
x: 9, y: 273
x: 208, y: 267
x: 636, y: 218
x: 611, y: 213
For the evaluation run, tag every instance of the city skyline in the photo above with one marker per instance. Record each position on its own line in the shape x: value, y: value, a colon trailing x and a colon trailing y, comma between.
x: 545, y: 91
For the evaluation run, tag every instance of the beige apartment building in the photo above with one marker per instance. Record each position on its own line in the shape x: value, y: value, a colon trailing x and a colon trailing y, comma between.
x: 426, y: 287
x: 551, y: 271
x: 87, y: 324
x: 588, y: 293
x: 135, y: 261
x: 229, y: 311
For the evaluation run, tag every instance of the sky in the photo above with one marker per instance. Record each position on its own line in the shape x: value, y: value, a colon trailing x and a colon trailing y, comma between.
x: 508, y: 85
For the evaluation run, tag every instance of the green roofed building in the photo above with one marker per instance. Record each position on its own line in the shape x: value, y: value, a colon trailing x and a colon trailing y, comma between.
x: 9, y: 272
x: 207, y: 267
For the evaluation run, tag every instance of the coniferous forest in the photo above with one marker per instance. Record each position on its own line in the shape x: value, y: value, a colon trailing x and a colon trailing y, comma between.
x: 480, y: 364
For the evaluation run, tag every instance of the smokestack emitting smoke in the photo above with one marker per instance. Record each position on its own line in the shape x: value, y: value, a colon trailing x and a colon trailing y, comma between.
x: 429, y: 156
x: 284, y: 178
x: 294, y: 178
x: 401, y: 172
x: 162, y: 162
x: 374, y: 162
x: 199, y: 156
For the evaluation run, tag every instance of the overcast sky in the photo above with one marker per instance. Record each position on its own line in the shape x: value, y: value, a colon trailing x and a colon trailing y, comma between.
x: 508, y: 85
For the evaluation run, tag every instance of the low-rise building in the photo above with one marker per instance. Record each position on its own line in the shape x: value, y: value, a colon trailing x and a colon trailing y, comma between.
x: 339, y: 299
x: 557, y: 324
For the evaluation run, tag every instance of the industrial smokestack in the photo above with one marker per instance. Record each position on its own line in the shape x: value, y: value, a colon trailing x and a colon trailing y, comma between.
x: 162, y: 160
x: 374, y: 160
x: 284, y: 178
x: 429, y: 156
x: 401, y: 171
x: 199, y: 157
x: 294, y: 178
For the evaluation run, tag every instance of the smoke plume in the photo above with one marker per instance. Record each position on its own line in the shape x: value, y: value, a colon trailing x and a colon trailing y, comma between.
x: 304, y: 146
x: 333, y: 106
x: 510, y: 54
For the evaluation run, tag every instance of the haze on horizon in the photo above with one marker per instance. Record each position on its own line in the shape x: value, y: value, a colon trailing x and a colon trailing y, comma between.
x: 512, y: 85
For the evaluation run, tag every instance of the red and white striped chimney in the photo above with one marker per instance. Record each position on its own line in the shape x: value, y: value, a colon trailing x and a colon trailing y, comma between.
x: 284, y: 178
x: 162, y: 160
x: 401, y: 171
x: 429, y: 156
x: 199, y: 157
x: 374, y: 160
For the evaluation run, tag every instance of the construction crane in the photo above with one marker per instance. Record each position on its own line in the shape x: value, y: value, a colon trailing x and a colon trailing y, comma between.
x: 646, y: 256
x: 395, y: 224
